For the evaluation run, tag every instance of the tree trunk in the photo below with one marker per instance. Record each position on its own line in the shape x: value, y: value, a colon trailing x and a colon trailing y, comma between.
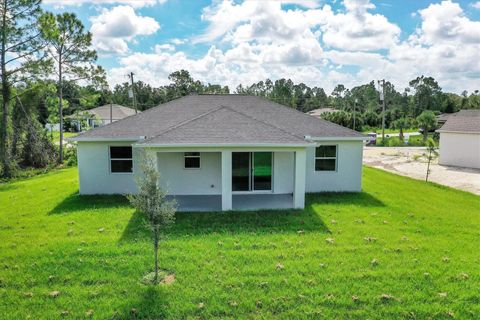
x: 4, y: 152
x: 155, y: 245
x: 428, y: 165
x: 60, y: 106
x: 401, y: 135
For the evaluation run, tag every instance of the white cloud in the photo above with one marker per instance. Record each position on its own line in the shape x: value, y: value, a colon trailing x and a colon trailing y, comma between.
x: 164, y: 47
x: 251, y: 41
x: 445, y: 46
x: 475, y: 5
x: 177, y: 41
x: 133, y: 3
x: 446, y: 22
x: 114, y: 28
x: 357, y: 29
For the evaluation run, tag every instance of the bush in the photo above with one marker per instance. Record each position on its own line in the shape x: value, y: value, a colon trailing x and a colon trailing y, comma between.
x: 394, y: 142
x: 70, y: 157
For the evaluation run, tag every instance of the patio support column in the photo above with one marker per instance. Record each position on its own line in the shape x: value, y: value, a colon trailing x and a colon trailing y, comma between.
x: 226, y: 180
x: 299, y: 180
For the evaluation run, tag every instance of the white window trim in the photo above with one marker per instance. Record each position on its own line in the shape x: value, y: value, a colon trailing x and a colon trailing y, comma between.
x: 114, y: 159
x: 199, y: 160
x: 325, y: 158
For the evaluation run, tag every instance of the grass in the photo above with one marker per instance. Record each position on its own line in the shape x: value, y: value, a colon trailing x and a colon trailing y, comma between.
x: 414, y: 141
x: 55, y: 135
x: 400, y: 249
x: 388, y: 130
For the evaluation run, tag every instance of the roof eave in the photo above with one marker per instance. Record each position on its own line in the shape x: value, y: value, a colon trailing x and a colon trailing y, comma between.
x: 103, y: 139
x: 456, y: 131
x: 193, y: 145
x: 361, y: 138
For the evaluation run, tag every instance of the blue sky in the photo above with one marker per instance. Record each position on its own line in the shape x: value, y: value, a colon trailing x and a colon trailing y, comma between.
x: 320, y: 43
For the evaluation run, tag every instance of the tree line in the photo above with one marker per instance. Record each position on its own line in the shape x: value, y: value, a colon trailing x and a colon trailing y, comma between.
x: 49, y: 71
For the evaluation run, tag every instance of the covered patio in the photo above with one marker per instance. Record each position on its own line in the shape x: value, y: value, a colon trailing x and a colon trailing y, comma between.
x: 212, y: 203
x: 241, y: 178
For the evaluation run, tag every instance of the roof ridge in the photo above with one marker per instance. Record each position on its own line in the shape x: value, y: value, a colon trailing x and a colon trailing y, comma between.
x: 306, y: 114
x: 186, y: 121
x: 266, y: 123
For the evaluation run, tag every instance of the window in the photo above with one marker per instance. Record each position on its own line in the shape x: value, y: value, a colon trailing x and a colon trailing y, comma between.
x: 121, y: 160
x: 326, y: 158
x: 192, y: 160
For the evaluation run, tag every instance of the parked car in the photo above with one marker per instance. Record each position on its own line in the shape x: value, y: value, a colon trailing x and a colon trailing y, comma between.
x: 373, y: 140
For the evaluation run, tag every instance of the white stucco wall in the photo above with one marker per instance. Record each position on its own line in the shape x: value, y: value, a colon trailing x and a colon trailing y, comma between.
x: 460, y: 149
x: 94, y: 170
x: 181, y: 181
x: 347, y: 177
x: 283, y: 175
x: 95, y: 176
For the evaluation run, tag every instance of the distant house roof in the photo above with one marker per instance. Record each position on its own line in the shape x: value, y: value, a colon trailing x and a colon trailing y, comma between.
x: 442, y: 118
x: 217, y: 119
x: 320, y: 111
x: 118, y: 112
x: 464, y: 121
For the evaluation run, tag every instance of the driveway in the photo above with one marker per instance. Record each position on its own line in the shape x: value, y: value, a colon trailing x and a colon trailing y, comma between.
x: 412, y: 162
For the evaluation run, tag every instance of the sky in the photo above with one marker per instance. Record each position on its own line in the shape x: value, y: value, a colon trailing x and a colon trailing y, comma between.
x: 317, y: 42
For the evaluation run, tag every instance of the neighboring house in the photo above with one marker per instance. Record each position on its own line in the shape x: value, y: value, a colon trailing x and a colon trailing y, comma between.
x: 442, y: 118
x: 224, y: 152
x: 103, y: 115
x: 460, y: 140
x: 318, y: 112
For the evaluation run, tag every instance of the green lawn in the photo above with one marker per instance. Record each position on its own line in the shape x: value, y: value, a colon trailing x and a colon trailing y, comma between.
x: 416, y: 243
x: 56, y: 135
x: 388, y: 130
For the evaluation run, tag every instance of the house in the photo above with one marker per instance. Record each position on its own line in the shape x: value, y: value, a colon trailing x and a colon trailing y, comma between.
x: 460, y: 140
x: 442, y: 118
x: 319, y: 112
x: 224, y: 152
x: 102, y: 115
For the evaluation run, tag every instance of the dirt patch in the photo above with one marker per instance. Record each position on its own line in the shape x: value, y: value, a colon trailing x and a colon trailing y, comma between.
x: 169, y: 279
x: 412, y: 162
x: 164, y: 278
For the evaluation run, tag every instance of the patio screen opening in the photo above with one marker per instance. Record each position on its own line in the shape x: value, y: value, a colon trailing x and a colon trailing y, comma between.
x: 251, y: 171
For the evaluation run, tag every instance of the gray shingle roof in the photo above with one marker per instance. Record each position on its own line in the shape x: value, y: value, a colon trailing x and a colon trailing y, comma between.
x: 118, y: 112
x: 463, y: 121
x: 216, y: 118
x: 224, y: 125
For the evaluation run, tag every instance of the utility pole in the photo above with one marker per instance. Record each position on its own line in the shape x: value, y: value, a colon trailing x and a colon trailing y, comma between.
x: 382, y: 97
x: 354, y: 110
x: 133, y: 91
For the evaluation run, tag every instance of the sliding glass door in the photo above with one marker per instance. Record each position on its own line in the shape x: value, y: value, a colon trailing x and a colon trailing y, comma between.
x: 241, y: 171
x: 262, y: 170
x: 251, y: 171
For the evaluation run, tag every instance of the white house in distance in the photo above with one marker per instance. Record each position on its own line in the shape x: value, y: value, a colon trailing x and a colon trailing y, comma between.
x: 224, y: 152
x: 460, y: 140
x: 103, y: 115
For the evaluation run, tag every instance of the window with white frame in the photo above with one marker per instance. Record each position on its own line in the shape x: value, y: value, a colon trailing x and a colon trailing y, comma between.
x: 192, y: 160
x: 326, y: 158
x: 121, y: 159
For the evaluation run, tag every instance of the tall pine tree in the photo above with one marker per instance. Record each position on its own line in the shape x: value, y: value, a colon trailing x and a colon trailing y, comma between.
x: 70, y: 48
x: 20, y: 57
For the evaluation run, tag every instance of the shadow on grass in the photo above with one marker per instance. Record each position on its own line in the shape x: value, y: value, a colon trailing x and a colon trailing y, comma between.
x: 76, y: 202
x: 150, y: 305
x: 7, y: 187
x: 361, y: 199
x: 258, y: 222
x: 235, y: 222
